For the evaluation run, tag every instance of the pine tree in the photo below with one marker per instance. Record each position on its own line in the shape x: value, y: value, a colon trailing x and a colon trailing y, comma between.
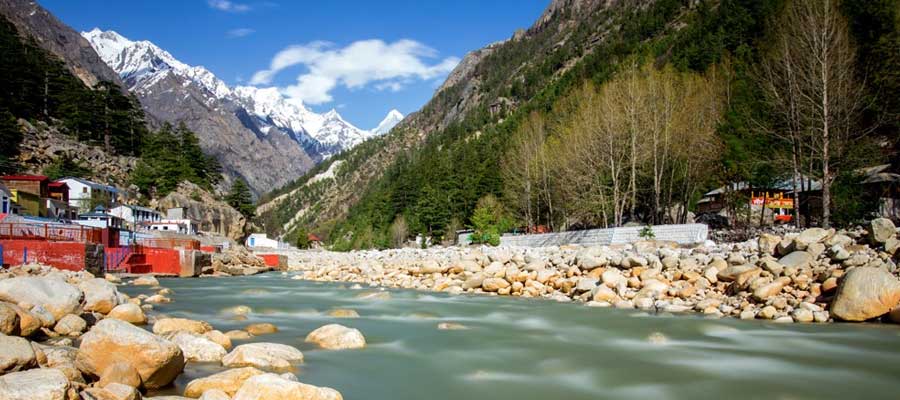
x: 240, y: 198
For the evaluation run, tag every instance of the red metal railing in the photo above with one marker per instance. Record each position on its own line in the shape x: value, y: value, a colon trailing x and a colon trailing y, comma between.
x: 50, y: 232
x: 170, y: 243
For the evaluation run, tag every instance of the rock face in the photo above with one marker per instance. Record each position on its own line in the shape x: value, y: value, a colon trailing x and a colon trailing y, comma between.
x: 214, y: 216
x: 276, y: 387
x: 337, y: 337
x: 267, y: 356
x: 157, y: 360
x: 866, y: 293
x: 229, y: 381
x: 57, y: 296
x: 59, y: 39
x: 35, y: 384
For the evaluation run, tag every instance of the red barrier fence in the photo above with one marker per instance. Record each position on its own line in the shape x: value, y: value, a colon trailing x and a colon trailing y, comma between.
x: 170, y: 243
x: 50, y: 232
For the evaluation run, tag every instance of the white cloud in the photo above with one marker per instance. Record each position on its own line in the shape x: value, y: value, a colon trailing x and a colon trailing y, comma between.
x: 228, y: 6
x: 240, y: 32
x: 387, y: 66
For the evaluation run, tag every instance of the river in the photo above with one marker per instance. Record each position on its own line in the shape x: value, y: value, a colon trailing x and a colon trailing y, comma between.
x: 536, y: 349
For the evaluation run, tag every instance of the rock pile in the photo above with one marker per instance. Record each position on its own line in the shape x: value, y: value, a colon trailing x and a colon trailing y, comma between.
x: 237, y: 261
x: 43, y: 311
x: 816, y: 275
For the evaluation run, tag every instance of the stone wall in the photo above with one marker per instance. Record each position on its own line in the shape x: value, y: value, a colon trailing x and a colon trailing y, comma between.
x: 681, y: 234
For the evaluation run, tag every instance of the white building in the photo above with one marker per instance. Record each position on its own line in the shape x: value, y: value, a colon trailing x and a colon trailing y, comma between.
x: 182, y: 226
x: 136, y: 216
x: 82, y: 191
x: 261, y: 240
x: 99, y: 218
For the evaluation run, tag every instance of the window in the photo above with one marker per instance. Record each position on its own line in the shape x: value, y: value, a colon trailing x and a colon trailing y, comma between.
x: 84, y: 190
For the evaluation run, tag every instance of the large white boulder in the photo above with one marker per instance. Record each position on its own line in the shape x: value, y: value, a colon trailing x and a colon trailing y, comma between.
x: 197, y: 347
x: 16, y: 354
x: 337, y: 337
x: 267, y: 356
x: 57, y: 296
x: 100, y: 295
x: 865, y: 293
x: 228, y: 381
x: 35, y: 384
x: 277, y: 387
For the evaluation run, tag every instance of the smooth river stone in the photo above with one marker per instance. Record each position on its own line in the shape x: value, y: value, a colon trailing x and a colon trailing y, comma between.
x: 267, y: 356
x: 337, y: 337
x: 865, y: 293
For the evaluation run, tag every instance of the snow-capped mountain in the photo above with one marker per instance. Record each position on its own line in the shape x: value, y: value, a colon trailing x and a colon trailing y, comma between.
x: 141, y: 64
x: 389, y: 122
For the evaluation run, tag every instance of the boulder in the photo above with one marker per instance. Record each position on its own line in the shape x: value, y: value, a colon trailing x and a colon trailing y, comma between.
x: 810, y: 236
x: 128, y: 312
x: 451, y: 326
x: 768, y: 244
x: 865, y: 293
x: 16, y: 354
x: 146, y: 280
x: 56, y: 296
x: 797, y: 259
x: 276, y: 387
x: 35, y: 384
x: 880, y: 230
x: 337, y: 337
x: 197, y: 347
x: 228, y: 381
x: 267, y: 356
x: 261, y: 329
x: 157, y: 361
x: 70, y: 325
x: 167, y: 325
x: 494, y: 284
x: 99, y: 295
x: 762, y: 293
x: 238, y: 335
x: 343, y: 313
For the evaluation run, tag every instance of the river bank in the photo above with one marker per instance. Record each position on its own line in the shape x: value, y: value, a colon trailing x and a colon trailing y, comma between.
x: 816, y: 275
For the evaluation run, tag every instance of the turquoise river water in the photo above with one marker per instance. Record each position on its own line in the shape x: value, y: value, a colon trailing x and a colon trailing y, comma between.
x: 536, y: 349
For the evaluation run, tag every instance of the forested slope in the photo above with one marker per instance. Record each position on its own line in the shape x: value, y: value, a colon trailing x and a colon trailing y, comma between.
x: 672, y: 89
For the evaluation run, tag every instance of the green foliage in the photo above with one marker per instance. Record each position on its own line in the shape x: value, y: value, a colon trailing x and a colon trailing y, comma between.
x: 241, y: 199
x: 647, y: 233
x: 856, y: 204
x: 171, y: 156
x: 490, y: 220
x: 65, y: 166
x: 10, y: 136
x: 36, y: 85
x: 303, y: 239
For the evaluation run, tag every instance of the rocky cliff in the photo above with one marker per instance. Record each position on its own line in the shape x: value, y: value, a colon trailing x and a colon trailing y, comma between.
x: 44, y: 144
x: 59, y: 39
x: 214, y: 216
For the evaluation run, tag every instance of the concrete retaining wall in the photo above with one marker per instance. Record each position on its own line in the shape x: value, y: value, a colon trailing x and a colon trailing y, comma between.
x: 681, y: 234
x: 72, y: 256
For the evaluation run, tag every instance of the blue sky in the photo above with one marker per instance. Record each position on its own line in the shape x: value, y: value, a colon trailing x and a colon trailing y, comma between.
x: 362, y: 57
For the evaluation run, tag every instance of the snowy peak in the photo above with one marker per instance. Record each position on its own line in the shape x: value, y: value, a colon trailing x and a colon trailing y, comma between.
x: 389, y: 122
x: 141, y: 64
x: 137, y: 61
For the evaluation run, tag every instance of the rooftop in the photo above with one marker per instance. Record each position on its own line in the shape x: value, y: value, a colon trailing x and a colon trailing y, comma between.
x: 37, y: 178
x: 92, y: 185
